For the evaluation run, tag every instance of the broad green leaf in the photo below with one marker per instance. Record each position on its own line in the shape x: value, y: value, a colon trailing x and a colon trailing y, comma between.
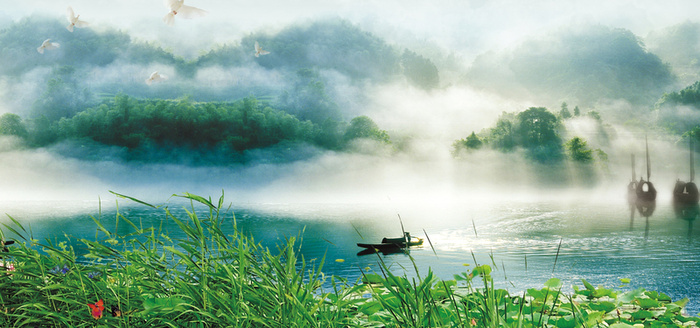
x: 602, y: 306
x: 647, y: 303
x: 553, y: 283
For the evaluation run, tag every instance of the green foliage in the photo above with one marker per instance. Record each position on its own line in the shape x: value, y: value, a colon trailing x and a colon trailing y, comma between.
x: 362, y: 127
x: 578, y: 150
x: 564, y: 112
x: 502, y: 136
x: 675, y: 109
x: 131, y: 123
x: 471, y: 142
x: 538, y: 131
x: 212, y: 275
x: 688, y: 96
x: 226, y: 128
x: 12, y: 125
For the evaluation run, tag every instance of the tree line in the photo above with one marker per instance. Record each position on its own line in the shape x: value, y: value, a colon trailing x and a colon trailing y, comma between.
x: 539, y: 132
x: 229, y: 127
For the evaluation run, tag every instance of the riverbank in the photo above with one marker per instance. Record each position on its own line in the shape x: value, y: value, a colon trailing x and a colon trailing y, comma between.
x: 140, y: 277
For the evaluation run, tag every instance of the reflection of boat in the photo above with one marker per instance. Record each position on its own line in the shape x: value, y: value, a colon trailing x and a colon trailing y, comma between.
x: 645, y: 189
x: 393, y: 244
x: 646, y: 207
x: 688, y: 212
x: 686, y: 193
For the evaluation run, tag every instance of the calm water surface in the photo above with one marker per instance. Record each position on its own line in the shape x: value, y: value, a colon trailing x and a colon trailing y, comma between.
x: 600, y: 241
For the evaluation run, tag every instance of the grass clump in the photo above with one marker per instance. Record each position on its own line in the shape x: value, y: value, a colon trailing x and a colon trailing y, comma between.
x: 212, y: 278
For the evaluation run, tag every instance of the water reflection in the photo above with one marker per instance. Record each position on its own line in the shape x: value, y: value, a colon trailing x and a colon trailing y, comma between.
x: 646, y: 209
x: 688, y: 212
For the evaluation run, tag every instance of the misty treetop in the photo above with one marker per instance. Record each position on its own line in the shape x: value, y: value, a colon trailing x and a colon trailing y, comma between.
x: 537, y: 131
x: 679, y: 111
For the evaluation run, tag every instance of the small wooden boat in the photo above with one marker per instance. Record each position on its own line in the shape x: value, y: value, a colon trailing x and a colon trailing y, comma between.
x: 389, y: 244
x: 645, y: 189
x: 686, y: 193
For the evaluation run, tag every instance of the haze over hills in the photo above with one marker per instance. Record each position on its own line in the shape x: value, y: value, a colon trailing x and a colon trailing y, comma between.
x: 329, y: 85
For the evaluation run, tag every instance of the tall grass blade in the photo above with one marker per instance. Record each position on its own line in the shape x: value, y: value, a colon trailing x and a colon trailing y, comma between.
x: 132, y: 199
x: 557, y: 256
x: 430, y: 242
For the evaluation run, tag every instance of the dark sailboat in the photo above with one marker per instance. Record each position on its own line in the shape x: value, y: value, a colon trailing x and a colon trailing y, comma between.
x: 686, y: 193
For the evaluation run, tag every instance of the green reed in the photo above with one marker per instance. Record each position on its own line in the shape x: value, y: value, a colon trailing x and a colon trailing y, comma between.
x: 213, y: 278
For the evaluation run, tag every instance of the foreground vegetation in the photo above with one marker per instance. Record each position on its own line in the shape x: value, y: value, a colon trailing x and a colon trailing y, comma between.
x: 211, y: 278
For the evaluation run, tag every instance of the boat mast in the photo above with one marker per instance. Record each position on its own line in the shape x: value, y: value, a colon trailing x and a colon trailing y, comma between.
x: 634, y: 174
x: 648, y: 161
x: 692, y: 160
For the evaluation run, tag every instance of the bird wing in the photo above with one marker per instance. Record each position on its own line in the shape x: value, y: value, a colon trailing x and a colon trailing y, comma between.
x: 257, y: 47
x: 70, y: 14
x: 173, y: 4
x: 81, y: 23
x: 191, y: 12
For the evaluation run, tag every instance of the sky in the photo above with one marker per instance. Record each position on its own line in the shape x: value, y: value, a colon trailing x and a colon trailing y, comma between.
x: 464, y: 28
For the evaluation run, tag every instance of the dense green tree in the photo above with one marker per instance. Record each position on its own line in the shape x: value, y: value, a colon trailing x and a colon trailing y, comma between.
x: 471, y: 142
x: 362, y: 127
x: 564, y: 112
x: 12, y: 125
x: 537, y: 126
x: 577, y: 111
x: 578, y: 150
x: 538, y: 131
x: 502, y: 136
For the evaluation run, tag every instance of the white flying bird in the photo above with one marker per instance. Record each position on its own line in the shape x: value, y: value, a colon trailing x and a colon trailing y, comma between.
x: 259, y: 50
x: 47, y: 44
x: 74, y: 20
x: 155, y: 77
x: 176, y: 7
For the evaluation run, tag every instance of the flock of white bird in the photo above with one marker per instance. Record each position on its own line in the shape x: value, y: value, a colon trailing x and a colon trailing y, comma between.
x: 176, y: 8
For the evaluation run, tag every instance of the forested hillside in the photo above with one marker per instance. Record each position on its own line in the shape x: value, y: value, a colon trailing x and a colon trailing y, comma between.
x: 225, y: 100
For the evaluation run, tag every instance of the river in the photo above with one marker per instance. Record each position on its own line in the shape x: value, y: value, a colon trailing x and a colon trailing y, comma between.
x: 526, y: 241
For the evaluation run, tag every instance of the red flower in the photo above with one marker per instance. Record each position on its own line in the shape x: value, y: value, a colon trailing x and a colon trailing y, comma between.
x: 96, y: 309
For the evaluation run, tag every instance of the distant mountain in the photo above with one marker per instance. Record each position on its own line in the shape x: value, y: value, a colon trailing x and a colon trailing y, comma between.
x: 678, y: 45
x: 314, y: 59
x: 581, y: 65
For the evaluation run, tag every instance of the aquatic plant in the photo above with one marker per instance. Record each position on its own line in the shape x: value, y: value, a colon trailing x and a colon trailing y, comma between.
x: 143, y: 277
